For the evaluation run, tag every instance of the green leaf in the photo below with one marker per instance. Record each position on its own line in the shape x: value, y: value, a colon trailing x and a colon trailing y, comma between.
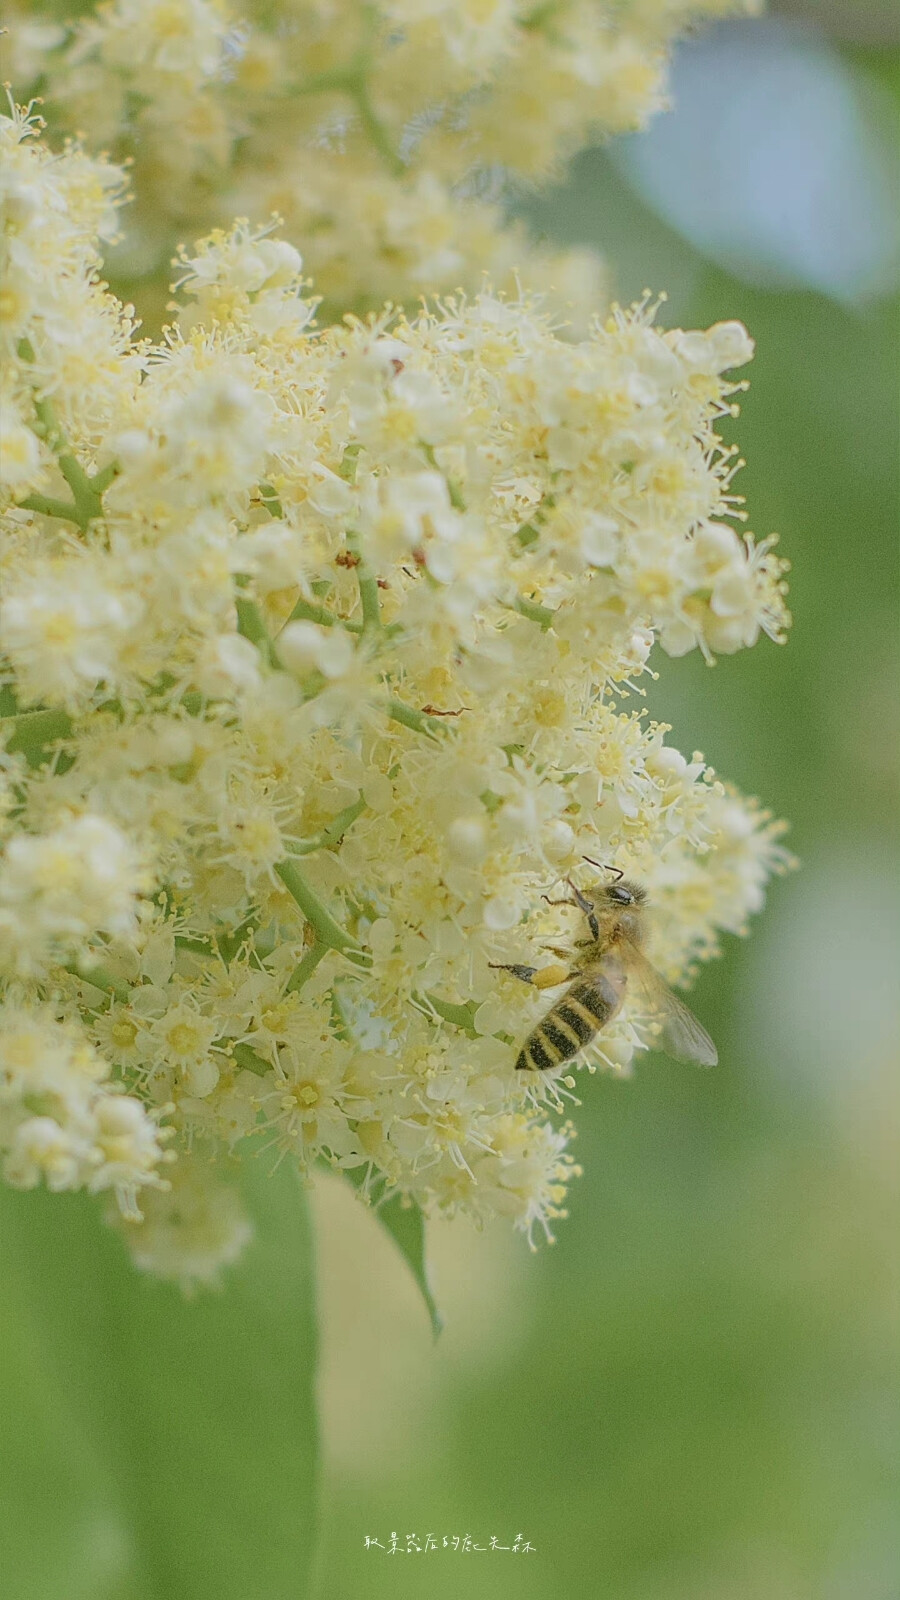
x: 34, y: 731
x: 156, y: 1448
x: 405, y: 1223
x: 402, y: 1218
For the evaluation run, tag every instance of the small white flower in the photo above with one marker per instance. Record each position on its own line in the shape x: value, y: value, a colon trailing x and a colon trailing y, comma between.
x: 190, y: 1230
x: 305, y: 647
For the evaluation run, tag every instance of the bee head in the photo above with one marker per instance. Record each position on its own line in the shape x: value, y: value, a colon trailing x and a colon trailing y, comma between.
x: 618, y: 893
x: 624, y: 894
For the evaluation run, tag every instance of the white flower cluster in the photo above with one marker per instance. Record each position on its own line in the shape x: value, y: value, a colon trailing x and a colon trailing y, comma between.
x: 59, y: 889
x: 190, y: 1228
x: 314, y: 652
x: 387, y: 134
x: 63, y: 1123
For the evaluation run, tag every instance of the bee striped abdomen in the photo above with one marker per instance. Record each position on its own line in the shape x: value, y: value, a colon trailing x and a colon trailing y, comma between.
x: 578, y: 1015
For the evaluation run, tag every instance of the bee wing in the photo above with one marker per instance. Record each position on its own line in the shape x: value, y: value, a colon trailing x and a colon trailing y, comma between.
x: 682, y: 1035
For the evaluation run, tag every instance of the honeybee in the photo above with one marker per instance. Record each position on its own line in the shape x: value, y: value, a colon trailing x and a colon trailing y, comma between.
x: 599, y: 973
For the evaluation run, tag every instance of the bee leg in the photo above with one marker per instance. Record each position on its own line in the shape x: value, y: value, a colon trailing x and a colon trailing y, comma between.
x: 581, y: 900
x: 555, y: 950
x: 587, y: 906
x: 581, y: 904
x: 525, y: 973
x: 552, y: 976
x: 538, y: 977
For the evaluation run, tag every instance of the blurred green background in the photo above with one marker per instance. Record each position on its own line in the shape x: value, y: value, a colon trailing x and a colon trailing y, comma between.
x: 693, y: 1395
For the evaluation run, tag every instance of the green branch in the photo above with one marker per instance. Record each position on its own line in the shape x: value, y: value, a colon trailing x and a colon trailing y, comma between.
x: 454, y: 492
x: 368, y: 588
x: 48, y: 507
x: 306, y: 967
x: 459, y: 1016
x: 101, y: 480
x: 376, y: 130
x: 308, y: 611
x: 418, y: 721
x: 331, y: 835
x: 87, y: 492
x: 328, y: 932
x: 87, y: 489
x: 334, y: 831
x: 368, y: 594
x: 534, y: 612
x: 352, y: 81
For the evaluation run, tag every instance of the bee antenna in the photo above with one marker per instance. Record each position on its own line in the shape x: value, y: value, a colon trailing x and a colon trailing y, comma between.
x: 616, y: 871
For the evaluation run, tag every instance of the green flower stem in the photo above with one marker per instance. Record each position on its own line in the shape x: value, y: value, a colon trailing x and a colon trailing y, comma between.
x: 376, y: 130
x: 328, y: 932
x: 368, y: 589
x: 368, y: 594
x: 87, y: 501
x: 352, y: 80
x: 534, y: 612
x: 418, y: 721
x: 308, y: 611
x: 457, y: 499
x: 460, y: 1016
x: 334, y: 831
x: 332, y: 834
x: 338, y: 1020
x: 306, y: 967
x: 307, y: 847
x: 102, y: 479
x: 86, y: 504
x: 48, y: 507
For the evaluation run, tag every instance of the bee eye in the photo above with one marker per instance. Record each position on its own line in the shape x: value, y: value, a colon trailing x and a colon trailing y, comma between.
x: 622, y: 897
